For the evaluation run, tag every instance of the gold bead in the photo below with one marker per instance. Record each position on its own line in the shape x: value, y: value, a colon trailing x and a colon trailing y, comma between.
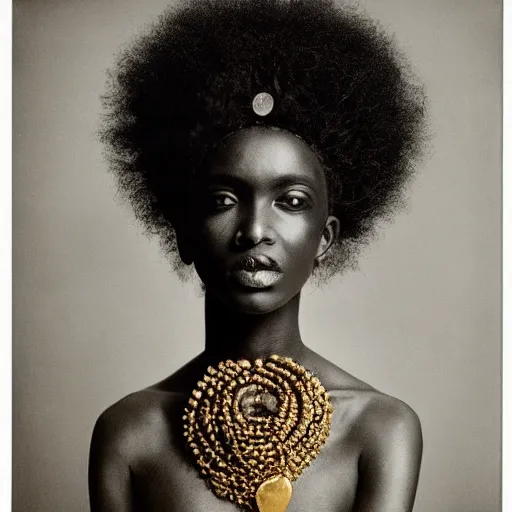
x: 243, y: 363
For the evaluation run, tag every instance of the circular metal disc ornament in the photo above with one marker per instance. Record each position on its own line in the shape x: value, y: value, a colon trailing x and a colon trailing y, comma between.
x: 263, y: 103
x: 254, y: 426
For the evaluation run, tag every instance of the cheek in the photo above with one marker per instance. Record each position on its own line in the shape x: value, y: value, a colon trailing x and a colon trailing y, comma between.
x: 301, y: 240
x: 214, y: 234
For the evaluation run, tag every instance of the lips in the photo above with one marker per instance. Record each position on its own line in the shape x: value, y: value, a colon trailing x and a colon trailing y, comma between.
x: 256, y: 271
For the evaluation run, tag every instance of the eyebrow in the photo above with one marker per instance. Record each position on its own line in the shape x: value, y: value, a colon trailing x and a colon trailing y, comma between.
x: 281, y: 181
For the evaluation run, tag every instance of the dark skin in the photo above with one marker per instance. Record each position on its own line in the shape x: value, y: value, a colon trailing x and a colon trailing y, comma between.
x: 263, y: 194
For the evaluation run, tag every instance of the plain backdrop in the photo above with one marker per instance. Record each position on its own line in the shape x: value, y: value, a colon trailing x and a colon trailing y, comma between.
x: 98, y: 312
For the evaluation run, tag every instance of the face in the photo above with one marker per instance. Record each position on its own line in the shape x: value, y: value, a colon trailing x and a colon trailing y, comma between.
x: 260, y: 219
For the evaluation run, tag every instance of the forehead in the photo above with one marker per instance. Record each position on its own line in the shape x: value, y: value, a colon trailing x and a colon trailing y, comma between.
x: 266, y: 154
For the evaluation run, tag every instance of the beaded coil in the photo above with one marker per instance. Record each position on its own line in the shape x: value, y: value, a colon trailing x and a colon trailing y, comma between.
x: 247, y: 423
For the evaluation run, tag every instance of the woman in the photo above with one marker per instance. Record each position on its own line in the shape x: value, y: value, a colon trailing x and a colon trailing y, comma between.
x: 261, y: 140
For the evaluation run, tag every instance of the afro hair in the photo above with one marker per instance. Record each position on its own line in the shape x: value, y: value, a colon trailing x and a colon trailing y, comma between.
x: 338, y: 82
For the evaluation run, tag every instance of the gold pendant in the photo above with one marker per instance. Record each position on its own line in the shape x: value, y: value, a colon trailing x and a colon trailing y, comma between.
x: 253, y: 427
x: 274, y: 494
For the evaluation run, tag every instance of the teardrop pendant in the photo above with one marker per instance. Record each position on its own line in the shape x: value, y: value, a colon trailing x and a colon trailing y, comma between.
x: 274, y: 494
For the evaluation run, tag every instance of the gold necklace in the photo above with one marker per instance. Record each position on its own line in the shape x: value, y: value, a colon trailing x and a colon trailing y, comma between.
x: 252, y: 429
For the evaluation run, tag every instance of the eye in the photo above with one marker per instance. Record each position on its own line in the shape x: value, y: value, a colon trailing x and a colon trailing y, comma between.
x: 294, y: 201
x: 221, y: 200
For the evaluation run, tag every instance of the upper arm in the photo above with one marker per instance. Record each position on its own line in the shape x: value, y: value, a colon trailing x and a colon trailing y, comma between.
x: 109, y: 471
x: 390, y: 461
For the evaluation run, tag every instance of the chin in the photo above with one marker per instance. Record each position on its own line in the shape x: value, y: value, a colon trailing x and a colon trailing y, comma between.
x: 254, y: 302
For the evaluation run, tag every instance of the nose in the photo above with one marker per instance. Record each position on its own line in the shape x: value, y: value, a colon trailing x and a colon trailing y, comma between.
x: 255, y: 227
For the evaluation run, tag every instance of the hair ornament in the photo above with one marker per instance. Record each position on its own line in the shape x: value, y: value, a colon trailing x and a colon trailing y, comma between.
x: 262, y: 104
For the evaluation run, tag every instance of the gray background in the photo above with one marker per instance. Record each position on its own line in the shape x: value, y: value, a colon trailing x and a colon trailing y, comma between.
x: 98, y: 313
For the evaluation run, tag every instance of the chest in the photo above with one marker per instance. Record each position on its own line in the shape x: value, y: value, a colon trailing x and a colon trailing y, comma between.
x: 170, y: 483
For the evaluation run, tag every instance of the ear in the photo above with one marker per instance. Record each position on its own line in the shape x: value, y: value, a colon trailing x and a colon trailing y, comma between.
x: 329, y: 235
x: 185, y: 248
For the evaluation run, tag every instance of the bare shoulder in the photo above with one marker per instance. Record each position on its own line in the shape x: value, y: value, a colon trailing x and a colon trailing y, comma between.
x: 380, y: 419
x: 153, y: 413
x: 385, y: 409
x: 385, y: 433
x: 125, y: 427
x: 387, y: 422
x: 126, y: 435
x: 390, y: 446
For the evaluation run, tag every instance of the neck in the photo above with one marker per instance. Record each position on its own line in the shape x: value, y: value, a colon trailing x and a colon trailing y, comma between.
x: 235, y: 335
